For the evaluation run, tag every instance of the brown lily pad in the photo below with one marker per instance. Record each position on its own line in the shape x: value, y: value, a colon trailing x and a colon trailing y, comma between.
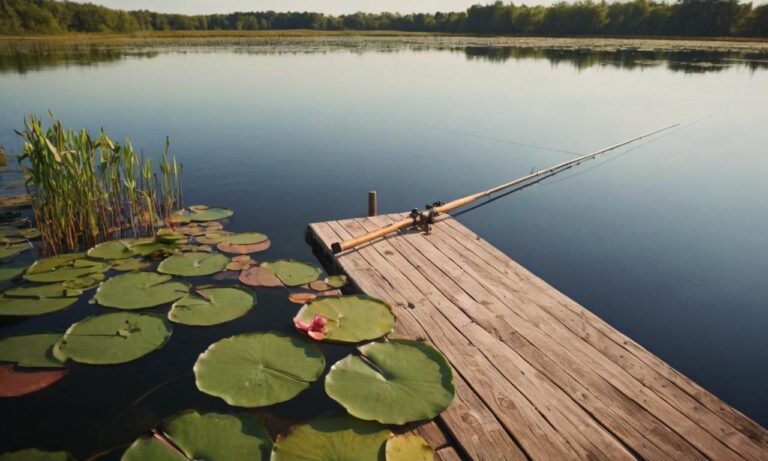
x: 301, y: 298
x: 319, y: 285
x: 240, y: 265
x: 14, y: 383
x: 329, y: 293
x: 244, y: 249
x: 258, y: 276
x: 227, y: 275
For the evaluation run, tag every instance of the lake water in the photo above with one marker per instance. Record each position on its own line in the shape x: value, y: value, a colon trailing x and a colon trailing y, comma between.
x: 667, y: 240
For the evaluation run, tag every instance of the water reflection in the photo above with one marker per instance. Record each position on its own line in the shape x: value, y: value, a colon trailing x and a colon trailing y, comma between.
x: 27, y: 56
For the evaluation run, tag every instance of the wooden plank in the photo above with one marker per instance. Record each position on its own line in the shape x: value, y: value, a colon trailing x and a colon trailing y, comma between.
x: 468, y: 420
x: 722, y: 421
x: 447, y: 454
x: 543, y: 373
x: 575, y: 425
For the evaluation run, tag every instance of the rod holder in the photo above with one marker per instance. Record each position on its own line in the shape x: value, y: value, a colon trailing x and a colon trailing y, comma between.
x: 372, y: 203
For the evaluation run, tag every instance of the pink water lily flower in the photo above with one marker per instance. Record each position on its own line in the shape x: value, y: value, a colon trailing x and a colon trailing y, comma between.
x: 314, y: 329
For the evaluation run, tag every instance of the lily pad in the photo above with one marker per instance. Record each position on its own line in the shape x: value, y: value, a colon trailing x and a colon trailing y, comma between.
x: 409, y: 447
x: 33, y: 454
x: 193, y: 264
x: 245, y: 238
x: 318, y: 285
x: 393, y: 382
x: 77, y: 286
x: 244, y: 249
x: 351, y: 319
x: 114, y: 249
x: 293, y: 273
x: 212, y: 306
x: 33, y: 306
x: 63, y: 268
x: 336, y: 281
x: 338, y: 438
x: 33, y: 351
x: 112, y: 338
x: 301, y: 297
x: 145, y: 248
x: 12, y: 270
x: 15, y: 383
x: 139, y: 290
x: 207, y: 436
x: 209, y: 214
x: 258, y: 369
x: 257, y: 276
x: 130, y: 264
x: 48, y: 290
x: 169, y: 236
x: 212, y: 238
x: 11, y: 250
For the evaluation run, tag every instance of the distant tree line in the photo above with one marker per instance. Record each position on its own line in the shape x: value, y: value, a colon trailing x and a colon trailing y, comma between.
x: 706, y: 18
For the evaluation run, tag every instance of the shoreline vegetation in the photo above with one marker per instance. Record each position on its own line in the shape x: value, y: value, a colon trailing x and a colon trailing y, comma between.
x: 689, y: 18
x: 155, y: 39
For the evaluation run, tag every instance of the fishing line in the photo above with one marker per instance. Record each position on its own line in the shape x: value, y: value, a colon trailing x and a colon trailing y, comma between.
x: 488, y: 138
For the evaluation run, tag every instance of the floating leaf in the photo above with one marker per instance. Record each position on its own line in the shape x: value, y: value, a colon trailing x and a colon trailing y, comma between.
x: 12, y: 270
x: 60, y: 270
x: 351, y: 319
x: 192, y: 230
x: 209, y: 214
x: 336, y: 281
x: 212, y: 238
x: 193, y: 264
x: 112, y: 338
x: 139, y: 290
x: 147, y: 248
x: 245, y: 238
x: 169, y: 236
x: 48, y: 290
x: 32, y: 306
x: 257, y: 276
x: 197, y: 207
x: 240, y: 263
x: 337, y: 438
x: 179, y: 217
x: 30, y: 233
x: 293, y: 273
x: 11, y: 250
x: 319, y: 285
x: 114, y: 249
x: 33, y: 454
x: 207, y: 436
x: 130, y: 264
x: 77, y: 286
x: 244, y: 249
x: 212, y: 306
x: 301, y: 298
x: 14, y: 383
x: 258, y: 369
x: 393, y: 382
x: 329, y: 293
x: 33, y: 351
x: 409, y: 447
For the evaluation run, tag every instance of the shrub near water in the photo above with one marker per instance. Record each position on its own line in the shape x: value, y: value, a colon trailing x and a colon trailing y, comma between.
x: 86, y: 190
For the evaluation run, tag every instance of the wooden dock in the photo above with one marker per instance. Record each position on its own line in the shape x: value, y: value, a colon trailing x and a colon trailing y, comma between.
x: 537, y: 375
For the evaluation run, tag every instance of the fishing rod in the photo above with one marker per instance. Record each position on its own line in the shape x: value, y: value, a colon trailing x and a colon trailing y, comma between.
x: 427, y: 217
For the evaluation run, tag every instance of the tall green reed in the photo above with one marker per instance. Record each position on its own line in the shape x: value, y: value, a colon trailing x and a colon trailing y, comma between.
x: 87, y: 189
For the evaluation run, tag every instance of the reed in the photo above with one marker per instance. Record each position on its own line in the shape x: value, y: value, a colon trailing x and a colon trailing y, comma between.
x: 87, y: 189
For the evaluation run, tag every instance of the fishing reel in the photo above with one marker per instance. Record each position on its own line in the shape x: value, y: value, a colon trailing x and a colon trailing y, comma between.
x: 425, y: 218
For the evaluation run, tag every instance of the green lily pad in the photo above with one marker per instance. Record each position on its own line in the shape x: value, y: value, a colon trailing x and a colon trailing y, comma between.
x: 9, y: 251
x: 338, y: 438
x: 76, y: 286
x: 33, y: 351
x: 246, y: 238
x: 258, y: 369
x: 193, y: 264
x: 293, y: 273
x: 350, y: 319
x: 146, y: 248
x: 112, y: 338
x: 63, y: 268
x: 114, y: 249
x: 212, y: 238
x: 207, y: 436
x: 409, y: 447
x: 393, y: 382
x: 130, y: 264
x: 12, y: 270
x: 211, y: 306
x: 48, y: 290
x: 33, y: 454
x: 169, y: 236
x: 139, y: 290
x: 209, y: 214
x: 32, y: 306
x: 336, y: 281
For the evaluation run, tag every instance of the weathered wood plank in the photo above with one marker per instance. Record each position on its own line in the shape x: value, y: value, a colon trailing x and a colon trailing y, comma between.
x: 533, y: 369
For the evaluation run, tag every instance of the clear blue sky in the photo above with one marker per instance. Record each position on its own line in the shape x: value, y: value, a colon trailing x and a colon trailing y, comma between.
x: 324, y: 6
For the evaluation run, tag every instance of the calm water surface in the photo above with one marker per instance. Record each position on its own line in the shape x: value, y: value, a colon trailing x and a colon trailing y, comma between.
x: 666, y: 240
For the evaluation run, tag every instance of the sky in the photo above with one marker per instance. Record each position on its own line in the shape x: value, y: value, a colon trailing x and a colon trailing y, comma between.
x: 323, y: 6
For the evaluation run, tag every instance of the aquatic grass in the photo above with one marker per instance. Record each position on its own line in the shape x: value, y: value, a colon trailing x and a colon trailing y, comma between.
x: 87, y: 189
